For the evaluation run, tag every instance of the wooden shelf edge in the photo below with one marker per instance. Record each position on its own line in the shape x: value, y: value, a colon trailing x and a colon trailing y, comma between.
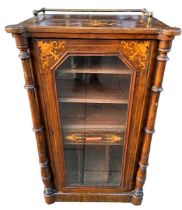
x: 100, y: 100
x: 97, y: 71
x: 94, y: 143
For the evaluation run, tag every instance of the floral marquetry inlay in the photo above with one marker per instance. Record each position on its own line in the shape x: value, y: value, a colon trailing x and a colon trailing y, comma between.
x: 136, y: 52
x: 50, y: 52
x: 98, y: 23
x: 73, y: 137
x: 110, y: 138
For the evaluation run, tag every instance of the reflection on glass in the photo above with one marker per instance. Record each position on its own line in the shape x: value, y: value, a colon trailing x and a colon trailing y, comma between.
x: 93, y: 99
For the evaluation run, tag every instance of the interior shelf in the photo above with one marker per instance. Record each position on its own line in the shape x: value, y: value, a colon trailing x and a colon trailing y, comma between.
x: 97, y: 70
x: 105, y: 89
x: 94, y: 65
x: 93, y: 117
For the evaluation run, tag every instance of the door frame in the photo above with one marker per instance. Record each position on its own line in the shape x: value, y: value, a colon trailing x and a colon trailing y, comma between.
x: 46, y: 65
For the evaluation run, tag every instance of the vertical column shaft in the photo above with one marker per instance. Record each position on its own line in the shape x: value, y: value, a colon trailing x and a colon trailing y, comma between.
x: 164, y: 48
x: 23, y: 46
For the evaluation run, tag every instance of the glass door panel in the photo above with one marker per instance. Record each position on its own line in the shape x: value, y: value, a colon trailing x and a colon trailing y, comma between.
x: 93, y: 99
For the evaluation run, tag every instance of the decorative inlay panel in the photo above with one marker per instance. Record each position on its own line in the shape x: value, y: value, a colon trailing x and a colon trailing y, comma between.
x: 136, y: 52
x: 108, y: 138
x: 74, y: 138
x: 50, y: 52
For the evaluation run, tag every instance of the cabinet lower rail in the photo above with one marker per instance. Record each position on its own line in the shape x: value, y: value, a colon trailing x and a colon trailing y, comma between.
x: 127, y: 197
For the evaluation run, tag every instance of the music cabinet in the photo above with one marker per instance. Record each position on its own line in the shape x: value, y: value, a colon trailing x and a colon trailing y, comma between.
x: 93, y: 79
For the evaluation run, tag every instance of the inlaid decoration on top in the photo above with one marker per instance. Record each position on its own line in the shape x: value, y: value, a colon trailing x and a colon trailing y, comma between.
x: 98, y: 23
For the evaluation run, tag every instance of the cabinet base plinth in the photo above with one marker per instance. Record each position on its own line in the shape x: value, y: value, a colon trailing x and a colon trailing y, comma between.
x: 127, y: 197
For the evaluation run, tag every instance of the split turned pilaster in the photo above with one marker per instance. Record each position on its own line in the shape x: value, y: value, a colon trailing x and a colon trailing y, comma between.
x: 164, y: 47
x: 23, y: 46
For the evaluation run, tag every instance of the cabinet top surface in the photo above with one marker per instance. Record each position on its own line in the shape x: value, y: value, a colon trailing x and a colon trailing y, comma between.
x: 93, y: 23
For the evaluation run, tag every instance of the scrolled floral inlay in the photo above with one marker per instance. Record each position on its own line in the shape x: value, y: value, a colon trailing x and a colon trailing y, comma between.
x: 98, y: 23
x: 136, y: 52
x: 50, y: 52
x: 73, y: 137
x: 113, y: 138
x: 108, y: 138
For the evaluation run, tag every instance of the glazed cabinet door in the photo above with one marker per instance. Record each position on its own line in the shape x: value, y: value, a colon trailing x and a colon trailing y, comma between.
x: 93, y: 95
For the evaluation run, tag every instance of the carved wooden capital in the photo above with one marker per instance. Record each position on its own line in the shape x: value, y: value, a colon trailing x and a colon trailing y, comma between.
x: 21, y: 41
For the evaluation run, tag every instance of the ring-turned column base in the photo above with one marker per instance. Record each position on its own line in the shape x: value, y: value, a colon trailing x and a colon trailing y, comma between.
x: 49, y: 195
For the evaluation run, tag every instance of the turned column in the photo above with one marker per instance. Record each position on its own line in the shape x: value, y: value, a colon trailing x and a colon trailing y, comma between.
x: 164, y: 47
x: 23, y: 46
